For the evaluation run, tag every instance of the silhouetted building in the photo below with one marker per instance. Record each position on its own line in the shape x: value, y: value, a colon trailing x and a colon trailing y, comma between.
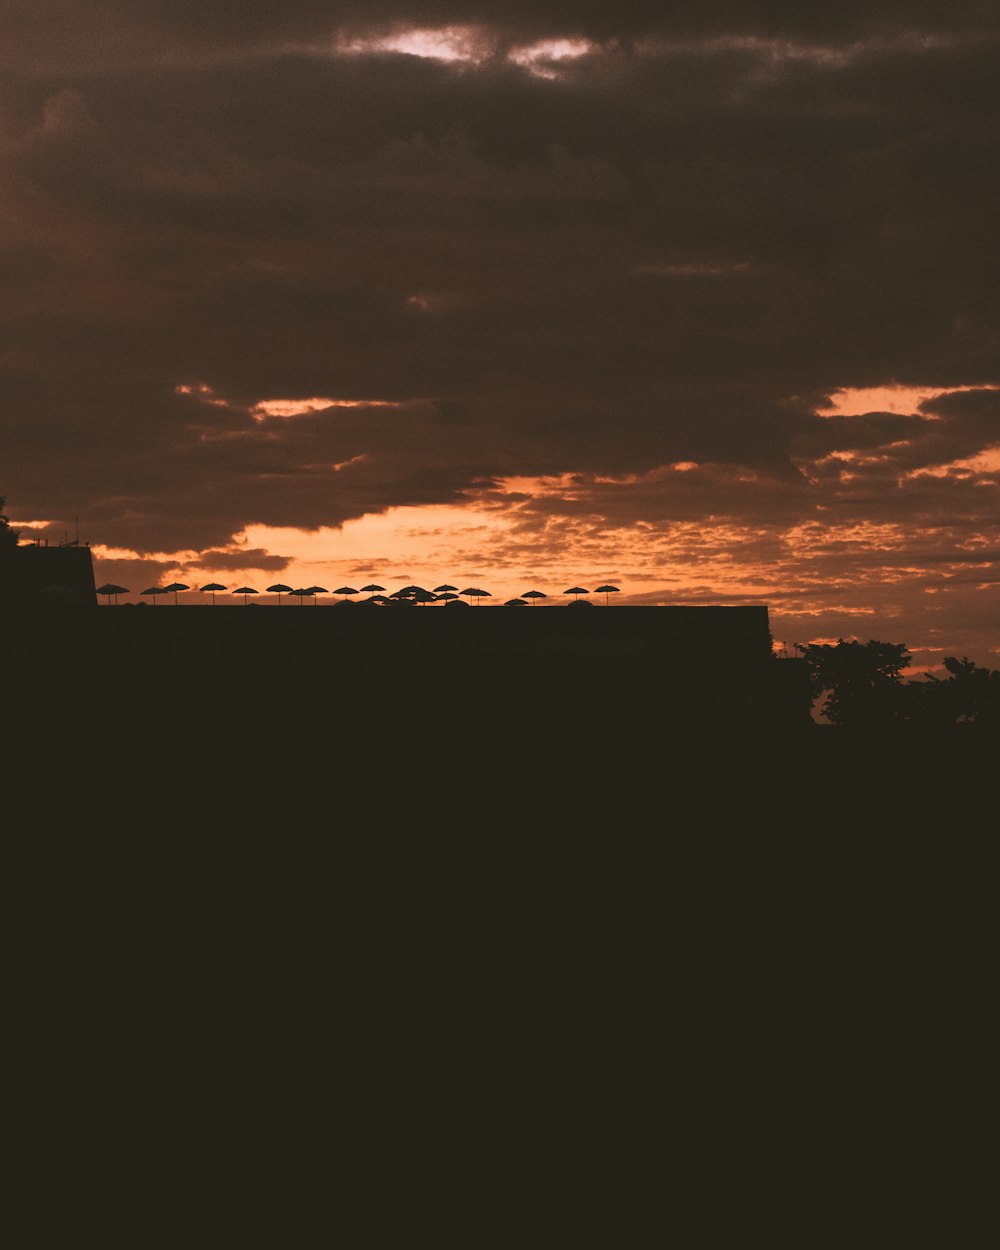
x: 669, y: 667
x: 36, y: 574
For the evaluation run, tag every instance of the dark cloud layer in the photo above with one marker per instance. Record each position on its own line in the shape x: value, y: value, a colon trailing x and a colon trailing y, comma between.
x: 670, y: 249
x: 118, y: 26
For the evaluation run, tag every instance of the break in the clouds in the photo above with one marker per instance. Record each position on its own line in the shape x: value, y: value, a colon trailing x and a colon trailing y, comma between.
x: 274, y: 268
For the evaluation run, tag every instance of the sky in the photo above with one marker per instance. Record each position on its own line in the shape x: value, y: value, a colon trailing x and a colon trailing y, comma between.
x: 698, y: 298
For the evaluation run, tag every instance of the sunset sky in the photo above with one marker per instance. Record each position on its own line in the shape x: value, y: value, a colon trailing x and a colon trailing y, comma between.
x: 698, y: 298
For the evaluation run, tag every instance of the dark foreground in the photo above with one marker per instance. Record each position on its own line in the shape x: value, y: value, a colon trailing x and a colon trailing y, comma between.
x: 526, y: 975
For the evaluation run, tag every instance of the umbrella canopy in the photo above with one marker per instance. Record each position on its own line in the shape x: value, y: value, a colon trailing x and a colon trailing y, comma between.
x: 606, y: 591
x: 153, y: 591
x: 576, y: 590
x: 580, y: 603
x: 423, y: 596
x: 439, y: 590
x: 474, y: 592
x: 279, y: 589
x: 301, y: 593
x: 446, y: 596
x: 175, y: 586
x: 316, y: 590
x: 245, y: 591
x: 345, y: 590
x: 457, y: 603
x: 371, y: 588
x: 515, y: 603
x: 534, y: 594
x: 211, y: 588
x: 111, y: 589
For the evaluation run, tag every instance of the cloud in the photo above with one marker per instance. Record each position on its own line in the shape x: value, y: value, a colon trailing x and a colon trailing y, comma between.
x: 247, y: 559
x: 670, y: 246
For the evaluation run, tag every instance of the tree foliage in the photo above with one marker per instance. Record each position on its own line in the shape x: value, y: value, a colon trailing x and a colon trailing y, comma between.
x: 862, y: 679
x: 970, y: 695
x: 8, y: 537
x: 864, y: 685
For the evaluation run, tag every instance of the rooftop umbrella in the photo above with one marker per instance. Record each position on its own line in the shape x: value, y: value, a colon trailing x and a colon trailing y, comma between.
x: 211, y: 588
x: 316, y: 590
x: 154, y: 591
x: 111, y: 589
x: 244, y: 591
x: 175, y: 586
x: 279, y: 589
x: 345, y: 590
x: 438, y: 590
x: 372, y: 589
x: 576, y: 590
x: 515, y: 603
x: 446, y: 596
x: 457, y: 603
x: 476, y: 593
x: 300, y: 592
x: 606, y: 591
x: 533, y: 594
x: 412, y: 594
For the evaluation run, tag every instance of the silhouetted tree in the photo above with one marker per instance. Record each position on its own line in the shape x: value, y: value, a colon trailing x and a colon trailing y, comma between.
x: 8, y: 537
x: 862, y: 679
x: 8, y: 545
x: 969, y: 696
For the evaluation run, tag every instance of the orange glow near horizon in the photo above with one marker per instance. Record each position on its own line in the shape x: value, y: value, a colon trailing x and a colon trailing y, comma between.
x: 481, y: 544
x: 987, y: 461
x: 854, y: 401
x: 296, y: 407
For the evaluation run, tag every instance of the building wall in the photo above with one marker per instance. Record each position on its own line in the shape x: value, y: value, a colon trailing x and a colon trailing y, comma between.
x: 711, y: 666
x: 48, y: 575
